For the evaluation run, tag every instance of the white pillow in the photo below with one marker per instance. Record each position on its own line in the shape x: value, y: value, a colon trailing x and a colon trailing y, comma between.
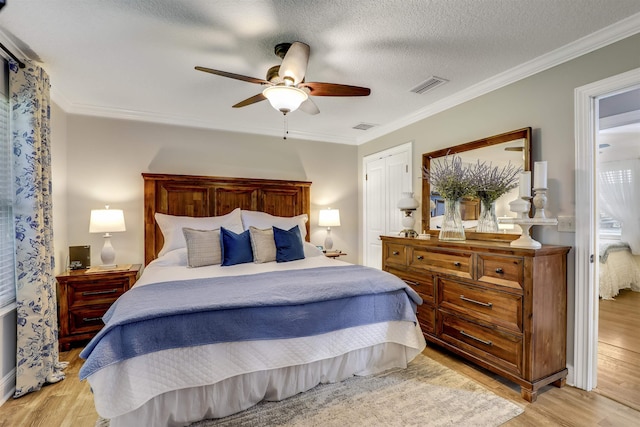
x: 171, y: 227
x: 311, y: 250
x: 264, y: 220
x: 176, y: 257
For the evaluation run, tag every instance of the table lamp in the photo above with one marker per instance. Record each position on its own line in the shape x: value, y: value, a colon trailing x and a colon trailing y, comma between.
x: 329, y: 218
x: 107, y: 221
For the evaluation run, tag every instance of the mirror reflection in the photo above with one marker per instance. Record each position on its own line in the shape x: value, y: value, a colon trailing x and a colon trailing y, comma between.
x: 511, y: 147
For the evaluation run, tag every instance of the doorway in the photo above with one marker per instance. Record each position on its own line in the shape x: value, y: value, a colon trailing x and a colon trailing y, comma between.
x: 587, y: 224
x: 387, y: 174
x: 618, y: 243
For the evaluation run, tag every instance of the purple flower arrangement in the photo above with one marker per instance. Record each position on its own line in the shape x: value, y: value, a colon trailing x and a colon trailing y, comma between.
x: 453, y: 180
x: 491, y: 182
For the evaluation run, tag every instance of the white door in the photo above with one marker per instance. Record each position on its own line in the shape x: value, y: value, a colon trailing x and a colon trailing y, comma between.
x: 387, y: 176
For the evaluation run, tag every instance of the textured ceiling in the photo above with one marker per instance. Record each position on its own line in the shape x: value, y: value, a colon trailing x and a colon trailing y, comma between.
x: 135, y: 59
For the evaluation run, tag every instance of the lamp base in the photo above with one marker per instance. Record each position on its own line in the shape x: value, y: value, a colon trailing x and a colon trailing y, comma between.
x: 328, y: 241
x: 407, y: 232
x: 108, y: 254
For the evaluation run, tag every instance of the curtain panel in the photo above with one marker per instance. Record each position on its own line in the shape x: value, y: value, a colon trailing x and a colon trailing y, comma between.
x: 37, y: 325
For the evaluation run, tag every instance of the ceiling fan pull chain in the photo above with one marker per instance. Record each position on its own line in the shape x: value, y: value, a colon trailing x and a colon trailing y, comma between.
x: 286, y: 127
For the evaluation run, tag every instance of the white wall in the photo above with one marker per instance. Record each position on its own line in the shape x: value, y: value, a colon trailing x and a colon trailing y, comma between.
x: 543, y: 101
x: 105, y: 158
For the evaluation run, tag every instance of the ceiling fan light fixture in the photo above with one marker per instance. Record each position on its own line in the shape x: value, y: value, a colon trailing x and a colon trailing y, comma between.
x: 285, y: 98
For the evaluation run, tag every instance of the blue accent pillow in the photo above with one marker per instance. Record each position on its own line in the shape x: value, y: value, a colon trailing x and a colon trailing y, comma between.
x: 236, y: 248
x: 288, y: 244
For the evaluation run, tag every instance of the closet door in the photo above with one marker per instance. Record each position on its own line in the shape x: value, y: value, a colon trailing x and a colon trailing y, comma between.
x: 387, y: 176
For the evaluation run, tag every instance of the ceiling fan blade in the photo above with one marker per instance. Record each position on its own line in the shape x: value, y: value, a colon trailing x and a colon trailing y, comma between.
x: 309, y: 107
x: 256, y: 98
x: 333, y: 89
x: 294, y: 64
x: 233, y: 76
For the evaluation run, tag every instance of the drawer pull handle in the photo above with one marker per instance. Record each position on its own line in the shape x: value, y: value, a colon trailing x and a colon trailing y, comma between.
x: 457, y: 264
x: 396, y: 253
x: 484, y: 304
x: 411, y: 283
x: 108, y: 291
x: 499, y: 270
x: 463, y: 333
x: 420, y: 257
x: 91, y: 319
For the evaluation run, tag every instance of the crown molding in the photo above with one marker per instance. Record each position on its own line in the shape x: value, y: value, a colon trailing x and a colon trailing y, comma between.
x: 601, y: 38
x: 606, y: 36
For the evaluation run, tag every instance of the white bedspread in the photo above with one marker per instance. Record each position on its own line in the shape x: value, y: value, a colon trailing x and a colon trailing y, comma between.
x: 137, y: 389
x: 620, y: 271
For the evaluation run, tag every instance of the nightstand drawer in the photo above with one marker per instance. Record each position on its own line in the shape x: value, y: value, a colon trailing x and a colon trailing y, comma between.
x: 87, y: 320
x: 96, y: 292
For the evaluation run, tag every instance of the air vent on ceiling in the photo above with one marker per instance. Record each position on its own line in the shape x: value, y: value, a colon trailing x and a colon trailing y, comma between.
x: 363, y: 126
x: 429, y: 84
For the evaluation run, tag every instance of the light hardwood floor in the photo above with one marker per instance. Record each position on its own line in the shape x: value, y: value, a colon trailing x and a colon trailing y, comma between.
x: 69, y: 402
x: 619, y: 348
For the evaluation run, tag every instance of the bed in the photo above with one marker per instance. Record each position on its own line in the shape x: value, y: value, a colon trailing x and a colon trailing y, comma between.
x: 618, y: 269
x: 195, y: 340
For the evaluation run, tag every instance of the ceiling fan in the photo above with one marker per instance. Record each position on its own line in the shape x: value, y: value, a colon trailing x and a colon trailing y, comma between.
x: 286, y: 89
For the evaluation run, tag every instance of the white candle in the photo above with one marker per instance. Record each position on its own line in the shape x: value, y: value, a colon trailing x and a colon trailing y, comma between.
x: 525, y: 184
x: 540, y: 175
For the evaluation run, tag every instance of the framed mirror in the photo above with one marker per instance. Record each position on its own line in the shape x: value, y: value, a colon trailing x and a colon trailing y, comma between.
x: 513, y: 147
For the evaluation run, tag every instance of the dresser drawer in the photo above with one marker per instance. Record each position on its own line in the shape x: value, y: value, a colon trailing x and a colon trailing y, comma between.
x: 427, y: 318
x: 491, y: 306
x: 422, y: 283
x: 455, y: 263
x: 500, y: 348
x: 501, y: 270
x: 87, y: 320
x: 394, y: 254
x: 88, y: 292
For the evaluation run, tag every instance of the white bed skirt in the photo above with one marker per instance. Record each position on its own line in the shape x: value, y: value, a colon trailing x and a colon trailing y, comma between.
x: 181, y: 386
x: 621, y: 271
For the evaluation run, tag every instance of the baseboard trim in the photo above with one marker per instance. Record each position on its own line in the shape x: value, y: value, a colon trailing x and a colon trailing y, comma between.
x: 8, y: 386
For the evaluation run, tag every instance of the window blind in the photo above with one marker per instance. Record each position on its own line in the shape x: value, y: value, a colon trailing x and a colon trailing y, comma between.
x: 7, y: 233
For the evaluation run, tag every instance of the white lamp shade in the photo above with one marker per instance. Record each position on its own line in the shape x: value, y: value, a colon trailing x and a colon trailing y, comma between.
x: 285, y: 98
x: 329, y: 218
x: 407, y: 202
x: 106, y: 221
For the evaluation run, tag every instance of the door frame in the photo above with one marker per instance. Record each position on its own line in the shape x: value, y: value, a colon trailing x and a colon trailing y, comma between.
x: 406, y: 147
x: 585, y: 349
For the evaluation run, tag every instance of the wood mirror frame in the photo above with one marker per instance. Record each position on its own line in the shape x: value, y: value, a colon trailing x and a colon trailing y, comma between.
x: 520, y: 134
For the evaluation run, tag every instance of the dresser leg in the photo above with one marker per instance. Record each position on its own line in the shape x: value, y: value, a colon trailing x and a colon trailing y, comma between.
x: 560, y: 383
x: 65, y: 346
x: 528, y: 395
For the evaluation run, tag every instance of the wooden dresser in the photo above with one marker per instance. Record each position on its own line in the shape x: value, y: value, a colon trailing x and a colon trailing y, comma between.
x: 83, y: 298
x: 501, y: 307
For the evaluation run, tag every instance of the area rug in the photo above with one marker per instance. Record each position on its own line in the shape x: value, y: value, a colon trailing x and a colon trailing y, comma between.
x: 425, y: 394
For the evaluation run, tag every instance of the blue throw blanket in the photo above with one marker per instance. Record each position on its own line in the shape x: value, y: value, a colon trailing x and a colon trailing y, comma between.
x: 274, y: 305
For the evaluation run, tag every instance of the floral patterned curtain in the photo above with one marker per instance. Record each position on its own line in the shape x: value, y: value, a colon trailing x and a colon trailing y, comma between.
x: 37, y: 324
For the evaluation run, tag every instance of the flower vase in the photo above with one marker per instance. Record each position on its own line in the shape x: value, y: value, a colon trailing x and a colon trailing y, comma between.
x: 488, y: 221
x: 452, y: 228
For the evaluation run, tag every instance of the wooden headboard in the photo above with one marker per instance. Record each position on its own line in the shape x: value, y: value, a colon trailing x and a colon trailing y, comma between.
x: 198, y: 196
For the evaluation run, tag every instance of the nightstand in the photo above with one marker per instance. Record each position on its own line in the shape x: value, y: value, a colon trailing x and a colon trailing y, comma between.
x: 333, y: 254
x: 84, y: 297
